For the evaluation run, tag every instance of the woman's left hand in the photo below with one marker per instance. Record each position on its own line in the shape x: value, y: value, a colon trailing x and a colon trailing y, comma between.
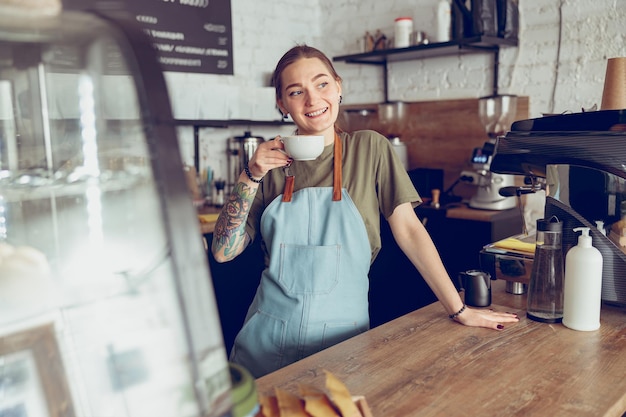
x: 486, y: 318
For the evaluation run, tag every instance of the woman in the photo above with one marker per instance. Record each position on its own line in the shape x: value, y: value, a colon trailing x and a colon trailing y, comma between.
x: 319, y: 245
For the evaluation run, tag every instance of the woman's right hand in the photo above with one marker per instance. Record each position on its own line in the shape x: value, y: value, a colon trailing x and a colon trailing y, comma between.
x: 268, y: 155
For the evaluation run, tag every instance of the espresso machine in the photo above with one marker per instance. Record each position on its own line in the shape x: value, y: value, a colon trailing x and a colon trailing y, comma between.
x: 496, y: 114
x: 579, y: 160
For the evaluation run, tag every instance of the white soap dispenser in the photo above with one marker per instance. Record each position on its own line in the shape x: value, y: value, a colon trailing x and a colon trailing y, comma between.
x: 583, y: 284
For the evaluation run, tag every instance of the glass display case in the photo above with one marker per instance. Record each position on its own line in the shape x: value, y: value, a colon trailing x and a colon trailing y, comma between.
x: 106, y: 303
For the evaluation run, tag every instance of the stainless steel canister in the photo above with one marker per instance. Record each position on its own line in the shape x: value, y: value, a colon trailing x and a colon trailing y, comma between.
x: 240, y: 150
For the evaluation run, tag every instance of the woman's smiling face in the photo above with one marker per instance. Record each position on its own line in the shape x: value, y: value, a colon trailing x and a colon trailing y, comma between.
x: 311, y: 95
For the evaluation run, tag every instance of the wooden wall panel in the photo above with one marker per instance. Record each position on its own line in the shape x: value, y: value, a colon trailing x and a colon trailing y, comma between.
x: 441, y: 134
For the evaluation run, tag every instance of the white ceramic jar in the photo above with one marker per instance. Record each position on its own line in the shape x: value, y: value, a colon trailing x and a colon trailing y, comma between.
x: 403, y: 28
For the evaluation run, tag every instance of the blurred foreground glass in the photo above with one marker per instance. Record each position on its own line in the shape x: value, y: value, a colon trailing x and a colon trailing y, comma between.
x: 106, y: 303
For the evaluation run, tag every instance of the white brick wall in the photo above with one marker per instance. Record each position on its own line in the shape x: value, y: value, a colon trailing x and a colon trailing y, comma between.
x: 264, y: 30
x: 591, y: 33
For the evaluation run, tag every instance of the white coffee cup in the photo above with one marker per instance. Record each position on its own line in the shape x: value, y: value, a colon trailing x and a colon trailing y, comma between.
x: 303, y: 147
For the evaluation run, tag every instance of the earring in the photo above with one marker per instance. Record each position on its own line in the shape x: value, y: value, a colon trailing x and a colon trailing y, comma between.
x: 340, y: 99
x: 286, y: 115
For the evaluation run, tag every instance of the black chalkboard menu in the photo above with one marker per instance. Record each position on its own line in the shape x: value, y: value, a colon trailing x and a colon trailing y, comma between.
x: 188, y: 35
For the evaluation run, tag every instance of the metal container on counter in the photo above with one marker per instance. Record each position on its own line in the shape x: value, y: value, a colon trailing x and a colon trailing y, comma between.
x: 510, y: 260
x: 106, y: 303
x: 400, y: 148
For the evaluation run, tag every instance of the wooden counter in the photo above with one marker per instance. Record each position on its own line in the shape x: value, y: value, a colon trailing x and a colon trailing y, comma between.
x: 423, y: 364
x: 464, y: 212
x: 208, y: 227
x: 460, y: 211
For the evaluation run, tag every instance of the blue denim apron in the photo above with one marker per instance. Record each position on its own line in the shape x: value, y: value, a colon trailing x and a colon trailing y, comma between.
x: 314, y: 293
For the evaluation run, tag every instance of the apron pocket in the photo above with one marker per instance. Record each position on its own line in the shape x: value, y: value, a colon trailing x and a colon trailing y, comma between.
x: 259, y: 344
x: 338, y: 332
x: 308, y: 269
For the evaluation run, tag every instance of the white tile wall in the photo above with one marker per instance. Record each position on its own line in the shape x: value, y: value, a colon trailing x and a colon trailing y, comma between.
x: 556, y: 82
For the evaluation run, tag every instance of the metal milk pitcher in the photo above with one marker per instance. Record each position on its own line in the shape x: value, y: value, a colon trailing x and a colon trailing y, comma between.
x: 477, y: 287
x: 545, y: 291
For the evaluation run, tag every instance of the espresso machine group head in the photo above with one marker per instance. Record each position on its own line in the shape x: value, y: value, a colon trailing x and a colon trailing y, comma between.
x: 487, y: 195
x: 581, y: 159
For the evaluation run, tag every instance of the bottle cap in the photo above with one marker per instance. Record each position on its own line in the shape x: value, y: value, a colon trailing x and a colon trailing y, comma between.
x: 584, y: 239
x: 549, y: 225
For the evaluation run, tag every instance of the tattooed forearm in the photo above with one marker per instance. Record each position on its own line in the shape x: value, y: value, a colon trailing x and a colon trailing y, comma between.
x: 230, y: 230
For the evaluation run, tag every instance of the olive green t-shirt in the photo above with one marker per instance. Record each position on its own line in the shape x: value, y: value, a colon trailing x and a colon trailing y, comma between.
x: 372, y: 174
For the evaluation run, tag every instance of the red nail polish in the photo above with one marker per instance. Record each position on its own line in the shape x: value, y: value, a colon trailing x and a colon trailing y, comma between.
x: 500, y: 327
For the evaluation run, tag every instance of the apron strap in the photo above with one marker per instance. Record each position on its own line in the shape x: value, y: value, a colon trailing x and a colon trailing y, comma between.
x: 288, y: 190
x: 337, y: 175
x: 337, y: 180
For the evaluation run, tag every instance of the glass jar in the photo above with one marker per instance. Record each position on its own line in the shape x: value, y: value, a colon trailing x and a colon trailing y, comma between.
x: 545, y: 291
